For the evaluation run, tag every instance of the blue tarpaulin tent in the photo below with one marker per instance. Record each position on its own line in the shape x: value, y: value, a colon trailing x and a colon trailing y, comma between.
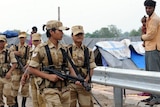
x: 10, y: 33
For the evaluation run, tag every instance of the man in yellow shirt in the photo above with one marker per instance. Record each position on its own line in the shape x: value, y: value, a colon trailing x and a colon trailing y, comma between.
x: 152, y: 44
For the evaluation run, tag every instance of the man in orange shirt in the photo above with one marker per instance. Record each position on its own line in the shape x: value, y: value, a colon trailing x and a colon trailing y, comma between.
x: 152, y: 44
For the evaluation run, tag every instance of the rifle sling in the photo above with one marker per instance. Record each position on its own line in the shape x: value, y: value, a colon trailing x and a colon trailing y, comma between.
x: 6, y: 55
x: 86, y: 55
x: 71, y: 62
x: 50, y: 62
x: 86, y: 51
x: 26, y: 51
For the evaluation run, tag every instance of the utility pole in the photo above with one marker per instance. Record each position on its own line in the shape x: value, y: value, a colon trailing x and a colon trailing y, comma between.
x: 58, y: 13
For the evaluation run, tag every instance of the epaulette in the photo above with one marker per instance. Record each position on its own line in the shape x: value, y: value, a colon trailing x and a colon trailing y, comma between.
x: 32, y: 49
x: 65, y: 45
x: 40, y: 46
x: 70, y: 45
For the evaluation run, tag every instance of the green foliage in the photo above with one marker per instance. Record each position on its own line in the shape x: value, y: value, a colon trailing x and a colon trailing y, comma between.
x: 112, y: 31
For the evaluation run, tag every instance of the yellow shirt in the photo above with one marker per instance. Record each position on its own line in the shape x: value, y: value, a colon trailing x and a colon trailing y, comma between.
x: 152, y: 36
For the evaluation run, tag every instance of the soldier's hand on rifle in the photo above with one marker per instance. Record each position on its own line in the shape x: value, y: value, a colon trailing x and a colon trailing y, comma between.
x: 24, y: 78
x: 18, y: 53
x: 86, y: 79
x: 54, y: 78
x: 8, y: 75
x: 78, y: 83
x: 25, y: 67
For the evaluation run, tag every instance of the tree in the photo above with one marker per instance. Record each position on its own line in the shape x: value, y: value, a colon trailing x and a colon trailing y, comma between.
x: 112, y: 31
x: 115, y: 31
x: 134, y: 33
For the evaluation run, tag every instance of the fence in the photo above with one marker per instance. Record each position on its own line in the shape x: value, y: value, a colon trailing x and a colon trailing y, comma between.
x: 139, y: 80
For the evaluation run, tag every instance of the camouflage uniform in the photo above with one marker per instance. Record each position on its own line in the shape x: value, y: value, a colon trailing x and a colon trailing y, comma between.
x: 16, y: 77
x: 18, y: 73
x: 6, y: 57
x: 54, y: 94
x: 78, y: 92
x: 34, y: 86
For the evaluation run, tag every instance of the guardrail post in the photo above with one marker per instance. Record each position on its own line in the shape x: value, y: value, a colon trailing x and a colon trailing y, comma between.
x: 118, y: 97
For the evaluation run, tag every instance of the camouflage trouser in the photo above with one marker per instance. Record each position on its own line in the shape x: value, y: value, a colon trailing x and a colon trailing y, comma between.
x: 6, y: 90
x: 55, y: 98
x: 39, y: 97
x: 34, y: 93
x: 78, y: 93
x: 25, y: 90
x: 16, y: 77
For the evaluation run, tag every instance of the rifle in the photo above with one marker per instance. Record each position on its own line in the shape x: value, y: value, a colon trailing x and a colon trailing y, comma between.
x: 66, y: 76
x: 85, y: 84
x: 20, y: 63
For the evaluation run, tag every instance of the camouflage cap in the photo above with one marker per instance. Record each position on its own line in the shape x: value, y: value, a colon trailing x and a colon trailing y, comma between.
x: 3, y: 38
x: 77, y: 29
x: 55, y: 24
x: 36, y: 36
x: 22, y: 34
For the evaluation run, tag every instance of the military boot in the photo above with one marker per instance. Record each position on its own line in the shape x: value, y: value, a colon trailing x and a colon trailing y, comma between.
x: 16, y: 104
x: 24, y: 102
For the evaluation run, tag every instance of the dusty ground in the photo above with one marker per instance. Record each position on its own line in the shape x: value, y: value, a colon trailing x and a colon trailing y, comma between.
x: 104, y: 95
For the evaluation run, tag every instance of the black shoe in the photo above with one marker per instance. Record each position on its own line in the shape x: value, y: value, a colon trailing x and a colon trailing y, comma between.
x: 153, y: 102
x: 16, y: 104
x: 13, y: 106
x: 24, y: 102
x: 147, y: 100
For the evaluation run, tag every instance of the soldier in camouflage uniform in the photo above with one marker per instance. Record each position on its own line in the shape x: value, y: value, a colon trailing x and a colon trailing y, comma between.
x: 6, y: 59
x: 21, y: 50
x: 53, y: 88
x: 77, y: 53
x: 36, y: 40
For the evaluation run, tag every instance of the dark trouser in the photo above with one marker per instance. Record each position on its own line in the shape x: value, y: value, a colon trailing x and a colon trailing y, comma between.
x: 152, y: 60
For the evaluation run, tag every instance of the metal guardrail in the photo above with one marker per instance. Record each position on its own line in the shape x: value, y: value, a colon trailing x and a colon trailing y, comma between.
x: 140, y: 80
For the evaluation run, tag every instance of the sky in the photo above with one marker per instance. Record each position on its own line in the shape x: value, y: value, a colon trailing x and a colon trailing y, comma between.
x: 91, y: 14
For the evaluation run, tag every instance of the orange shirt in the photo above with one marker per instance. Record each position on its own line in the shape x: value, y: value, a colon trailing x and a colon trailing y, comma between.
x: 152, y: 36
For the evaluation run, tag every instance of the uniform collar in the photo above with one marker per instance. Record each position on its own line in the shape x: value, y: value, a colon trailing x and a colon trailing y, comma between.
x: 25, y: 45
x: 51, y: 45
x: 75, y: 46
x: 4, y: 50
x: 32, y: 48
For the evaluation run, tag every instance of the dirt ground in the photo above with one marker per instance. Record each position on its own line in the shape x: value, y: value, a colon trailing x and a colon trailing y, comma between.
x: 104, y: 96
